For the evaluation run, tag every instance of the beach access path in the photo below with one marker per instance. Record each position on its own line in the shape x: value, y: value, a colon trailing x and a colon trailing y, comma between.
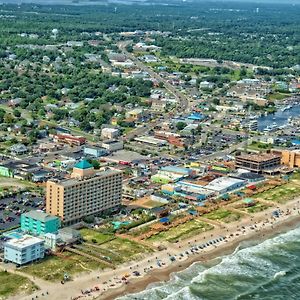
x: 158, y: 265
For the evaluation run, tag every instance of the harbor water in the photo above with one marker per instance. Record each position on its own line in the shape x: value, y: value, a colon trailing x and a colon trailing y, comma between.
x: 280, y: 117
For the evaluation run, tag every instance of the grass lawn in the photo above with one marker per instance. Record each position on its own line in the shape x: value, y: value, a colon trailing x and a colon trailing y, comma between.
x: 90, y: 235
x: 14, y: 184
x: 140, y: 231
x: 278, y: 96
x: 13, y: 284
x: 52, y: 268
x: 223, y: 215
x: 117, y: 249
x: 281, y: 194
x: 296, y: 176
x: 255, y: 208
x: 127, y: 129
x: 259, y: 146
x: 126, y: 249
x: 182, y: 231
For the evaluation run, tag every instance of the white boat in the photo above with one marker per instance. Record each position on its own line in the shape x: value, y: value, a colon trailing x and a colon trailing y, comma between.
x: 267, y: 129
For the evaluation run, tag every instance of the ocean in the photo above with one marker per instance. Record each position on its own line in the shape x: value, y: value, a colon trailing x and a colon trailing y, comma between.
x: 269, y: 270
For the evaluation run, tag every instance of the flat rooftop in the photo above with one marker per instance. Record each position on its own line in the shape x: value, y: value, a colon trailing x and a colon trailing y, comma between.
x: 150, y: 139
x: 193, y: 188
x: 24, y: 242
x: 39, y: 215
x: 176, y: 169
x: 109, y: 142
x: 74, y: 181
x: 125, y: 155
x: 258, y: 157
x: 222, y: 183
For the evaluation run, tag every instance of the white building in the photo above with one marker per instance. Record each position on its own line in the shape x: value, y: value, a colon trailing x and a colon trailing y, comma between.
x: 51, y: 240
x: 206, y: 85
x: 109, y: 133
x: 113, y: 145
x: 150, y: 140
x: 225, y: 184
x: 24, y: 250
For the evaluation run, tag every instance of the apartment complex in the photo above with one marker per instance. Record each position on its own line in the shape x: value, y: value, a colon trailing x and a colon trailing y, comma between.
x: 290, y: 158
x: 87, y: 193
x: 257, y: 163
x: 24, y: 250
x: 39, y: 223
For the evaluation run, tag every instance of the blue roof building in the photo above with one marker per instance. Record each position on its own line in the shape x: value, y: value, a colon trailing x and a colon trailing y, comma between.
x: 177, y: 170
x: 196, y: 117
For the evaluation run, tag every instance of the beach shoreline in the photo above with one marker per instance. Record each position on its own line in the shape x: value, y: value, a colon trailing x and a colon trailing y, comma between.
x: 162, y: 275
x: 159, y: 266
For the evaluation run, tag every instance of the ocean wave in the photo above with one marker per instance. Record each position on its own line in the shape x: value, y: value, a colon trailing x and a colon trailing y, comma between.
x: 247, y: 273
x: 279, y: 274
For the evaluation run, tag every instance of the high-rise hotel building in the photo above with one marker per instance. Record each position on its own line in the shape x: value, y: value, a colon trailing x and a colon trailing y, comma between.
x: 87, y: 192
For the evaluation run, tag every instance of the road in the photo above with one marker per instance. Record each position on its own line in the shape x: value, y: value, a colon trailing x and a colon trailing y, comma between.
x: 182, y: 100
x: 224, y: 152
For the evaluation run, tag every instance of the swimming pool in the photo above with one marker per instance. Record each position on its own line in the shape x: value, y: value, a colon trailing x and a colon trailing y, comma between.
x: 117, y: 224
x: 15, y: 234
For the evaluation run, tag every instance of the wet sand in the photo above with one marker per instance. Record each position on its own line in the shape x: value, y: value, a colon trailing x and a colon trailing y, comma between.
x: 159, y: 275
x: 221, y: 240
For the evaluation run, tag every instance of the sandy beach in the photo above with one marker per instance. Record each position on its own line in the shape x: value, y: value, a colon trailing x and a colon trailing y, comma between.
x: 139, y: 284
x: 158, y: 266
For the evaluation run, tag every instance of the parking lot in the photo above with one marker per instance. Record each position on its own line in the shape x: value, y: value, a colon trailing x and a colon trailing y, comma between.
x: 11, y: 208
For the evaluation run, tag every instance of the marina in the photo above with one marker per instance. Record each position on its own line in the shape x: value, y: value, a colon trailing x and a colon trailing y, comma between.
x: 279, y: 119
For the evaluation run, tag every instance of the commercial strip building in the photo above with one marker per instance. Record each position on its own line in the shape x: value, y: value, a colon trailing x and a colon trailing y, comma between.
x: 24, y: 250
x: 247, y: 175
x: 113, y: 145
x: 171, y: 174
x: 185, y: 172
x: 87, y: 193
x: 150, y: 140
x: 172, y: 138
x: 95, y: 151
x: 225, y: 184
x: 39, y: 223
x: 258, y: 163
x: 187, y: 190
x: 125, y: 157
x: 69, y: 139
x: 195, y: 191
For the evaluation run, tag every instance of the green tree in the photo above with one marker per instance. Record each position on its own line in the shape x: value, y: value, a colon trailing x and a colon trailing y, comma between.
x: 180, y: 125
x: 16, y: 113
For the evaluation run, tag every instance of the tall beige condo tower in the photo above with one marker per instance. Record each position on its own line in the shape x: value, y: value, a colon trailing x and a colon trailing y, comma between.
x: 87, y: 193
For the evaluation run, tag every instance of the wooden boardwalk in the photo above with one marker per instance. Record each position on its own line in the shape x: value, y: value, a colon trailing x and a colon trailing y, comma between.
x: 81, y: 253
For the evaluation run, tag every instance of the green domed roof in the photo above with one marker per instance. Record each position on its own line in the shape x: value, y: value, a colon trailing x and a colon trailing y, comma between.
x: 84, y: 164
